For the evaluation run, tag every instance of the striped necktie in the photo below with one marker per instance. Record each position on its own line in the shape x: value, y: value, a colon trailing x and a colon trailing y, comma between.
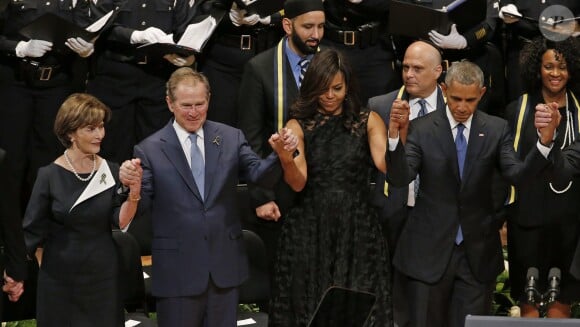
x: 303, y: 63
x: 423, y: 111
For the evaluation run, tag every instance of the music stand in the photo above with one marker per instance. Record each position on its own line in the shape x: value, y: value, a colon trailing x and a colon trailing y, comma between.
x: 341, y: 306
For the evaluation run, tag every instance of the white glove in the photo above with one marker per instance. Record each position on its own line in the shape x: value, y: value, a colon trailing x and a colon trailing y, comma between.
x: 80, y: 46
x: 33, y: 48
x: 180, y: 61
x: 452, y: 41
x: 239, y: 18
x: 266, y: 20
x: 355, y: 1
x: 509, y: 9
x: 149, y: 35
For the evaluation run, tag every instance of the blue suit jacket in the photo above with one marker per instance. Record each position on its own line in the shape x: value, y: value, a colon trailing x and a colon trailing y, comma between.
x: 194, y: 239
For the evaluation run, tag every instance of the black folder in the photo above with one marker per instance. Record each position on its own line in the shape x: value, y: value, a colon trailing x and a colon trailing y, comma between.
x: 341, y: 306
x: 414, y: 20
x: 263, y: 8
x: 156, y: 51
x: 55, y: 29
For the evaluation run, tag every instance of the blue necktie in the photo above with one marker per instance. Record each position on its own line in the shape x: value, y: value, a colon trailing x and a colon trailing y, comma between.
x: 197, y: 164
x: 422, y: 112
x: 303, y: 63
x: 461, y: 147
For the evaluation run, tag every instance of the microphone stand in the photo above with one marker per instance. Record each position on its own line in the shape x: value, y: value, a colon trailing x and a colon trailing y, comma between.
x: 542, y: 300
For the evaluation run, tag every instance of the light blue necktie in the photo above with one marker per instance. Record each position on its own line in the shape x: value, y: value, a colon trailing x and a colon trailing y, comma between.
x: 197, y: 164
x: 303, y: 63
x: 422, y: 112
x: 461, y: 147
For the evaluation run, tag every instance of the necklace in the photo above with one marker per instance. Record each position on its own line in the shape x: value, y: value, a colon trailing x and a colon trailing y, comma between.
x: 569, y: 138
x: 67, y: 159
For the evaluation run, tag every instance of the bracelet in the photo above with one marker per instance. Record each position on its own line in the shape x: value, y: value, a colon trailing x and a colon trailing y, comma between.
x: 134, y: 198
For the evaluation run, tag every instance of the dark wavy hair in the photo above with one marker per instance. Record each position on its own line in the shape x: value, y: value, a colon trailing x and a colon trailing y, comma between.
x: 321, y: 71
x: 531, y: 61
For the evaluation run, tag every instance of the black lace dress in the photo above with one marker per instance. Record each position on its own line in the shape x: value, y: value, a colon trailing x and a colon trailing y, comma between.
x: 332, y: 236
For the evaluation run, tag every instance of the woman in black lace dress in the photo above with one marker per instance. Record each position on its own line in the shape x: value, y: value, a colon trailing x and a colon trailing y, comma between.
x: 332, y: 236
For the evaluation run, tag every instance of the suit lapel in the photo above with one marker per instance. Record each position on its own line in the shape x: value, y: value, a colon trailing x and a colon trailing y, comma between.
x: 441, y: 103
x: 174, y: 153
x: 444, y: 136
x: 213, y: 146
x: 477, y: 135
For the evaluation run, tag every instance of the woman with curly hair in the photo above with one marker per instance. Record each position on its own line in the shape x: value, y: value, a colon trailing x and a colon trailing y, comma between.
x: 543, y: 223
x: 331, y: 236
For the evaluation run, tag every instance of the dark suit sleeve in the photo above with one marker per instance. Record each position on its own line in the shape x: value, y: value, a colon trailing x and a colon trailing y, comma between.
x: 147, y: 187
x: 483, y: 32
x: 38, y: 212
x: 263, y: 172
x: 511, y: 168
x: 566, y: 163
x: 251, y: 116
x: 398, y: 167
x: 11, y: 229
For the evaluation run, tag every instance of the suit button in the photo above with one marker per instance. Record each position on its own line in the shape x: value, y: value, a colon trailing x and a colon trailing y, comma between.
x: 205, y: 237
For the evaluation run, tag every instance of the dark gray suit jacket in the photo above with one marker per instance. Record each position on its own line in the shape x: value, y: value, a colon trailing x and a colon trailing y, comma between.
x: 397, y: 195
x: 445, y: 200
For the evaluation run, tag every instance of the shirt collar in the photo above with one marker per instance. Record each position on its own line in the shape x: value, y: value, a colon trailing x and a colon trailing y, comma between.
x: 183, y: 135
x: 454, y: 123
x: 431, y: 101
x: 293, y: 57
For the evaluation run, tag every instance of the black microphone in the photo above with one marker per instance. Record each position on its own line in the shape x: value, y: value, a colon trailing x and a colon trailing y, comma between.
x: 531, y: 278
x: 554, y: 277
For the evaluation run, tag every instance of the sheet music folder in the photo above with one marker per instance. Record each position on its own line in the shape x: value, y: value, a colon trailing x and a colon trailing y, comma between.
x: 192, y: 41
x: 264, y: 8
x: 341, y: 306
x: 55, y: 29
x: 414, y: 20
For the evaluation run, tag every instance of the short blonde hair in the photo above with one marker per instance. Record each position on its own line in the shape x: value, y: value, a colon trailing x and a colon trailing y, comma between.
x: 77, y: 111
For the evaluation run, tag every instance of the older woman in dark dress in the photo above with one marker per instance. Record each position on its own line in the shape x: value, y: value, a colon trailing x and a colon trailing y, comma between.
x: 73, y: 206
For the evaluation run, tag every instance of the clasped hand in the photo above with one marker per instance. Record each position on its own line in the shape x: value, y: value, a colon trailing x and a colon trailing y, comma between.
x: 13, y: 288
x: 269, y: 211
x: 546, y: 119
x: 130, y: 174
x: 285, y: 143
x: 399, y: 117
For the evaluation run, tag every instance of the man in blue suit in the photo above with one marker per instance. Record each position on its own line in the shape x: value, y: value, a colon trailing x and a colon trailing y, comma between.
x: 190, y: 171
